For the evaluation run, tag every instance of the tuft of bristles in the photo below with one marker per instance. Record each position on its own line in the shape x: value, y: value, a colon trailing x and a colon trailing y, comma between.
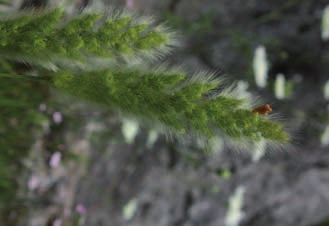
x: 50, y: 37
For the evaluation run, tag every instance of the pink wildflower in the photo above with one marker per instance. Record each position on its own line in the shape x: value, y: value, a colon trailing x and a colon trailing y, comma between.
x: 130, y: 4
x: 57, y: 222
x: 33, y: 183
x: 80, y: 209
x: 55, y: 159
x: 57, y: 117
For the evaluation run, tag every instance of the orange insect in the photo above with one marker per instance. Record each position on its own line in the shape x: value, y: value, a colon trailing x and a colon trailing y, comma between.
x: 263, y: 110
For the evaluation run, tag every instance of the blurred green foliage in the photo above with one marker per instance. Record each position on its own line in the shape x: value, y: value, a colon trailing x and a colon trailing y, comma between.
x: 19, y: 120
x: 6, y: 2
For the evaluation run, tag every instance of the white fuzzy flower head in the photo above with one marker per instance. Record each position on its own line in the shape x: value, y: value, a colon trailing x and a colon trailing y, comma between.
x: 129, y: 129
x: 129, y: 209
x: 279, y: 88
x: 152, y: 137
x: 260, y: 66
x: 242, y: 90
x: 259, y: 150
x: 234, y: 213
x: 325, y: 24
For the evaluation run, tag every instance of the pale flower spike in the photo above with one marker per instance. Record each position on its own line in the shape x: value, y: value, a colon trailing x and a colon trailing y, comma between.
x: 325, y: 24
x: 326, y: 90
x: 259, y: 150
x: 129, y: 209
x: 152, y: 137
x: 325, y: 137
x: 260, y: 66
x: 234, y: 213
x: 279, y: 90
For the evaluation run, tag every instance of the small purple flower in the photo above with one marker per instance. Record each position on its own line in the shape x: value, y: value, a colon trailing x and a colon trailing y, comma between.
x: 33, y: 183
x: 55, y: 159
x: 57, y: 117
x: 81, y: 209
x: 57, y: 222
x: 42, y: 107
x: 130, y: 4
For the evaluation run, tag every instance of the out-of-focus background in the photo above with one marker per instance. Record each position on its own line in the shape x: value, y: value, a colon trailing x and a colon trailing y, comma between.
x: 77, y: 164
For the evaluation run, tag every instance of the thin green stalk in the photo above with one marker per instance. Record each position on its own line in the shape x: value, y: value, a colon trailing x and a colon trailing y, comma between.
x: 27, y: 77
